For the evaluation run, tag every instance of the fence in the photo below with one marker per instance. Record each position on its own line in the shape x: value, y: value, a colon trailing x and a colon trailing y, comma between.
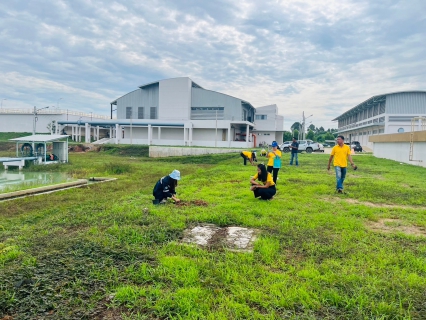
x: 53, y: 111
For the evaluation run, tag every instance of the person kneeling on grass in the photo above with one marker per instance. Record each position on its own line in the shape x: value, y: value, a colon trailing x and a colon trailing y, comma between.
x: 166, y: 188
x: 267, y: 190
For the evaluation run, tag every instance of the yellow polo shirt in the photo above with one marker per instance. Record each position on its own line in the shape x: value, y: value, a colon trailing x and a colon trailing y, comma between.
x: 271, y: 157
x: 341, y: 154
x: 247, y: 154
x: 268, y: 179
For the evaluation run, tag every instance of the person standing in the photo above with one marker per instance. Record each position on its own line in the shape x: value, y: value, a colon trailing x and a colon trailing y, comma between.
x: 274, y: 164
x: 165, y: 188
x: 294, y: 152
x: 250, y: 156
x: 340, y: 153
x: 265, y: 191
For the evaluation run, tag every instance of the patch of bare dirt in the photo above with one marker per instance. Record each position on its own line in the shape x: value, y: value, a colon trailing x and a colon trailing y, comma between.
x: 372, y: 205
x: 396, y: 225
x: 196, y: 203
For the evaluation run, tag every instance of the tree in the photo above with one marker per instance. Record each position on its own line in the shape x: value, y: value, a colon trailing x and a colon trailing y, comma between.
x: 312, y: 127
x: 287, y: 136
x: 310, y: 135
x: 296, y: 134
x: 321, y: 130
x: 296, y: 126
x: 328, y: 136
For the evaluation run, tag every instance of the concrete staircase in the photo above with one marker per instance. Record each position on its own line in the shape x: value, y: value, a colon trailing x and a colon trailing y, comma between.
x: 103, y: 141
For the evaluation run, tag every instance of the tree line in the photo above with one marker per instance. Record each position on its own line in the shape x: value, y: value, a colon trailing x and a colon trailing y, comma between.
x: 312, y: 133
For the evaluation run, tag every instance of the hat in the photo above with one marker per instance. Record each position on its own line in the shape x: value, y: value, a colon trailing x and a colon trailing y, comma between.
x: 274, y: 144
x: 175, y: 175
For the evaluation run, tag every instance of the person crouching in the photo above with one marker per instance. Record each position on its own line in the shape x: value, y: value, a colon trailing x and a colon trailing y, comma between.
x: 166, y: 188
x: 265, y: 191
x: 250, y: 156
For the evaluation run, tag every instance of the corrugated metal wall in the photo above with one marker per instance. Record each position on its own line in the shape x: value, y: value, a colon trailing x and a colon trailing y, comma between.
x: 146, y: 98
x: 406, y: 103
x: 206, y: 98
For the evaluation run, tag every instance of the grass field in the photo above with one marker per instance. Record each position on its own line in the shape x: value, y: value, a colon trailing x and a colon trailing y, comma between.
x: 105, y: 252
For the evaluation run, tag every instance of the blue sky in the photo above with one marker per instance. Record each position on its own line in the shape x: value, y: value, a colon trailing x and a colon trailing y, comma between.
x: 323, y: 57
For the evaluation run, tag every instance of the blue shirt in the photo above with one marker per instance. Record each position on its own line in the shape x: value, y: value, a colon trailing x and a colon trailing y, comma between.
x: 296, y: 145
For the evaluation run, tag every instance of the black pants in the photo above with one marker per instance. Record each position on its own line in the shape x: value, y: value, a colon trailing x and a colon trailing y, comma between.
x: 274, y: 172
x: 265, y: 194
x: 244, y: 157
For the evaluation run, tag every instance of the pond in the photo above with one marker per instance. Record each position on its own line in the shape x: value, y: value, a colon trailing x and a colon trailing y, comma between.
x: 14, y: 181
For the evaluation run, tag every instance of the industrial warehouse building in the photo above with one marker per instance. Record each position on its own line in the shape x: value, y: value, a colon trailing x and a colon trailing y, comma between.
x: 180, y: 112
x: 382, y: 114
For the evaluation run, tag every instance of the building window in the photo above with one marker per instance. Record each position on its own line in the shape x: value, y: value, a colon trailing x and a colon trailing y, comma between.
x: 400, y: 130
x: 128, y: 112
x: 261, y: 117
x: 207, y: 113
x: 141, y: 113
x: 382, y: 119
x: 381, y: 130
x: 153, y: 113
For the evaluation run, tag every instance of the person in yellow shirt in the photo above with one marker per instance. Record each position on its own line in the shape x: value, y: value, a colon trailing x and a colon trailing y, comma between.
x: 274, y: 164
x: 266, y: 189
x: 341, y: 153
x: 250, y: 156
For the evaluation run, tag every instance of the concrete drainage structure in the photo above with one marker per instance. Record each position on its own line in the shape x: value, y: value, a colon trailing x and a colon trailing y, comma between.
x: 232, y: 238
x: 52, y: 188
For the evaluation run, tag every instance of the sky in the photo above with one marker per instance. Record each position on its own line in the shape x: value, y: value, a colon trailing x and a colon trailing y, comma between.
x: 320, y: 57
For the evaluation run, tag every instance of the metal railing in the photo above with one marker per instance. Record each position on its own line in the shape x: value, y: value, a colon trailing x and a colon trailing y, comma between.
x: 53, y: 111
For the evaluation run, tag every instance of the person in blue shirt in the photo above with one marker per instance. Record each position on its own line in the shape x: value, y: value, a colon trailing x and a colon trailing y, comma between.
x: 294, y: 152
x: 166, y: 188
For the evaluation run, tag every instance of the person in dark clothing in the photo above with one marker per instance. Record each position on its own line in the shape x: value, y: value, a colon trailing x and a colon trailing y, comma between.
x: 267, y: 190
x: 166, y: 188
x: 294, y: 152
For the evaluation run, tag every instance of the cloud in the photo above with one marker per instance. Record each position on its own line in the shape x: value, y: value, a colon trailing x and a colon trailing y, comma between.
x: 321, y: 57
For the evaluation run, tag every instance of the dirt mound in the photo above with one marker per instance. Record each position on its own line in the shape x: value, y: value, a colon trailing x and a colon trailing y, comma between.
x: 396, y: 225
x: 196, y: 203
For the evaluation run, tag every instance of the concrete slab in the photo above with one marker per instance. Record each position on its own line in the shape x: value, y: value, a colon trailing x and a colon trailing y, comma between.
x: 232, y: 238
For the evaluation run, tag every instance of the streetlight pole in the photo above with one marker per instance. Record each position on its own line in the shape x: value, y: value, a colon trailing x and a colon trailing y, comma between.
x: 57, y: 103
x: 2, y: 103
x: 303, y: 124
x: 35, y: 121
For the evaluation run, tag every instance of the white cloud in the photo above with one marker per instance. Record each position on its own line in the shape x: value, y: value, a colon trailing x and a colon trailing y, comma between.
x: 321, y: 57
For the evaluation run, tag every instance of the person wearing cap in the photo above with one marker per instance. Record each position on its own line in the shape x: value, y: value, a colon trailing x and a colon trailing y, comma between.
x: 250, y: 156
x: 266, y: 189
x: 274, y: 161
x: 166, y: 188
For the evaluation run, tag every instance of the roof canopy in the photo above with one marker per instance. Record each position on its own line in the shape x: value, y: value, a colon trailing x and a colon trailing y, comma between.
x: 41, y: 138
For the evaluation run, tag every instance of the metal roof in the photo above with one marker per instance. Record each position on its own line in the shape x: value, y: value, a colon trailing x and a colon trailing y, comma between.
x: 372, y: 99
x: 41, y: 138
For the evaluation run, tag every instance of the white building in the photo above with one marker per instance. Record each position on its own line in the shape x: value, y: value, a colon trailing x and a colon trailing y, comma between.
x: 180, y: 112
x: 382, y: 114
x: 269, y: 125
x: 22, y: 120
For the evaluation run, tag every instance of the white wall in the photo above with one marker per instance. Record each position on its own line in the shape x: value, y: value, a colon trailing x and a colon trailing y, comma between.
x: 265, y: 136
x: 24, y: 122
x: 399, y: 151
x: 175, y: 99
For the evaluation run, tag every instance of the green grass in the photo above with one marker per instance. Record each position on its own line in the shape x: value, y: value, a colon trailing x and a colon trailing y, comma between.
x: 5, y: 136
x: 106, y: 250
